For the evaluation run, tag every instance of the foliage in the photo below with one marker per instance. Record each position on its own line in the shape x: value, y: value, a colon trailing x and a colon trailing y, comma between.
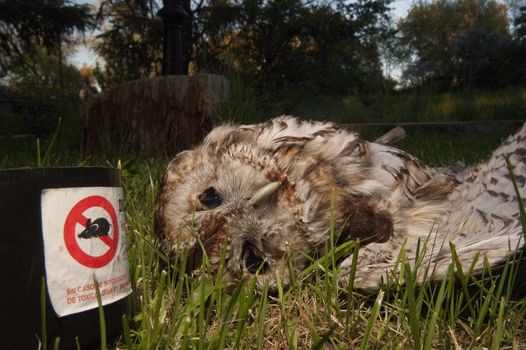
x: 288, y: 46
x: 296, y: 48
x: 457, y: 43
x: 292, y: 52
x: 517, y: 14
x: 520, y: 24
x: 27, y: 26
x: 244, y: 104
x: 33, y: 40
x: 42, y: 102
x: 317, y: 59
x: 131, y: 42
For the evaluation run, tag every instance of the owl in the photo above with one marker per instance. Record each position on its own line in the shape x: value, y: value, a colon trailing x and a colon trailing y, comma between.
x: 259, y: 198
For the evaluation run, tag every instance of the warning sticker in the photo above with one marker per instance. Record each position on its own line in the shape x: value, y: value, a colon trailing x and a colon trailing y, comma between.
x: 84, y: 241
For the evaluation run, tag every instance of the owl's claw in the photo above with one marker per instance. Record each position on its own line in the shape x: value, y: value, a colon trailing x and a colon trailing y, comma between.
x: 263, y: 193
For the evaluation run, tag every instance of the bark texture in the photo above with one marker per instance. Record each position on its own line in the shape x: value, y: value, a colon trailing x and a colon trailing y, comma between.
x: 162, y: 115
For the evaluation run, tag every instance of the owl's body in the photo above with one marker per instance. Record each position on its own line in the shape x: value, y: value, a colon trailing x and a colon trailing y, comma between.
x: 266, y: 193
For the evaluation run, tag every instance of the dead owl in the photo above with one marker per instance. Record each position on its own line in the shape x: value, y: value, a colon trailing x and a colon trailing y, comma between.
x: 265, y: 193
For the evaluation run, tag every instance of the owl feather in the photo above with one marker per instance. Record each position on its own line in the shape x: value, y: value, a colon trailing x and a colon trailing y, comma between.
x: 265, y: 194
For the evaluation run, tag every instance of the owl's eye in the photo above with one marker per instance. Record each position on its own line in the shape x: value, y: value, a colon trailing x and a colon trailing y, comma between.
x: 253, y: 262
x: 210, y: 198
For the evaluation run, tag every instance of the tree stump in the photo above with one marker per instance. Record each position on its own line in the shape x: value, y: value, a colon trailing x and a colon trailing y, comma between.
x: 162, y: 115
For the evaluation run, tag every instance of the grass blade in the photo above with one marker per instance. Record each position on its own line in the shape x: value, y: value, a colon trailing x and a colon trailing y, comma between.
x: 234, y: 301
x: 47, y: 154
x: 496, y: 338
x: 261, y: 317
x: 372, y: 319
x: 414, y: 310
x: 461, y: 277
x: 39, y: 157
x: 56, y: 344
x: 126, y: 332
x: 437, y: 308
x: 43, y: 306
x: 102, y: 318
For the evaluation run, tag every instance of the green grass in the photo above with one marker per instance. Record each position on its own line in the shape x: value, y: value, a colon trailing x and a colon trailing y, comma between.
x: 404, y: 106
x: 174, y: 310
x: 441, y: 148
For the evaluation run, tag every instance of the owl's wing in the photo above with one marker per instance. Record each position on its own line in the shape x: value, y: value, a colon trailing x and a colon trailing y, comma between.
x: 398, y: 170
x: 479, y: 217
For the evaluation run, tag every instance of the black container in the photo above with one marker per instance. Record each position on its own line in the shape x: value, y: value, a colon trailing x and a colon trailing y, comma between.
x: 22, y: 265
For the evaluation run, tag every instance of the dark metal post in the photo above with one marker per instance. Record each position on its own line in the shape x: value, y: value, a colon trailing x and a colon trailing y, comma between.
x: 173, y: 16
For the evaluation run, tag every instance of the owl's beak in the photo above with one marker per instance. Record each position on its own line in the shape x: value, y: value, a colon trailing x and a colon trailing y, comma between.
x: 263, y: 193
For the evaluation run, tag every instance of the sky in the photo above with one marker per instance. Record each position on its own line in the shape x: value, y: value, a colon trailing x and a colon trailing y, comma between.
x: 85, y: 56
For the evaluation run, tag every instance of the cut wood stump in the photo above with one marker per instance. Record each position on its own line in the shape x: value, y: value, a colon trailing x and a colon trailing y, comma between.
x: 162, y: 115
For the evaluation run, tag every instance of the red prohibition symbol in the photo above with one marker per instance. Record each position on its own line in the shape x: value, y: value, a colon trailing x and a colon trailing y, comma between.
x: 76, y: 216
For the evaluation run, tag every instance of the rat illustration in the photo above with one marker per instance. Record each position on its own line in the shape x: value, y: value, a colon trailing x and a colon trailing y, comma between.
x: 97, y: 228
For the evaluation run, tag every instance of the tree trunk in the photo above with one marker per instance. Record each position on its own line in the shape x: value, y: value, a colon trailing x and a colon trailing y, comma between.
x: 162, y: 115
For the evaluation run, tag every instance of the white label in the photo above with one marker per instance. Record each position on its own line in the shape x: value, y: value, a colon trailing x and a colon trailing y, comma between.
x: 84, y: 240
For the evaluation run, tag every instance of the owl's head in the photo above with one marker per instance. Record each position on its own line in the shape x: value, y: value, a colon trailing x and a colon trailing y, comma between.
x: 229, y: 196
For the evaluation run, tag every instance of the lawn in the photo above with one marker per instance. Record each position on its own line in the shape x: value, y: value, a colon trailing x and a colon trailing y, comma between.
x: 419, y: 106
x: 173, y: 310
x: 462, y: 312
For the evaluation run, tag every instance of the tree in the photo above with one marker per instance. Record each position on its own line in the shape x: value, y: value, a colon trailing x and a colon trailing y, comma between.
x: 520, y: 24
x: 296, y: 47
x: 131, y: 40
x: 289, y: 46
x: 33, y: 36
x: 26, y: 26
x: 450, y: 41
x: 517, y: 14
x: 43, y: 101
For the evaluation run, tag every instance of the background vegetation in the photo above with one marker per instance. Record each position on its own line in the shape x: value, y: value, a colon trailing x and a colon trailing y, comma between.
x: 348, y: 61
